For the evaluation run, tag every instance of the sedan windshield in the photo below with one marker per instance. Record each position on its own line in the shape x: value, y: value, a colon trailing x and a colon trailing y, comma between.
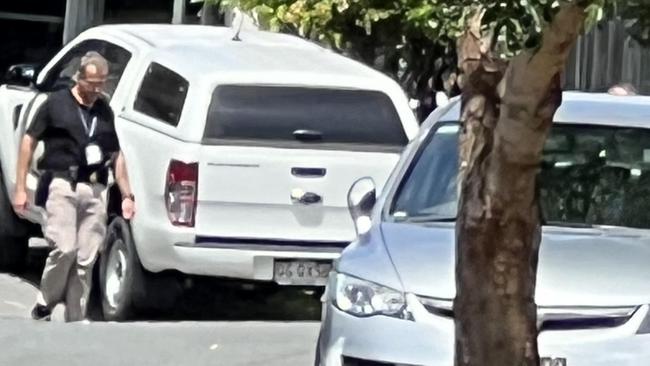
x: 590, y: 175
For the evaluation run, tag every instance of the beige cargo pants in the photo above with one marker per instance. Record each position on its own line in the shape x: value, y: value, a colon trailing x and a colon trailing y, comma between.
x: 76, y: 227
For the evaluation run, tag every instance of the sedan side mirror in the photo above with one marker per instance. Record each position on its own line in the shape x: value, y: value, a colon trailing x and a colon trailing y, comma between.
x: 361, y: 200
x: 21, y: 75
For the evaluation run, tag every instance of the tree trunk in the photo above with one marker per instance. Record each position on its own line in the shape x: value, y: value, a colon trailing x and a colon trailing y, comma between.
x: 507, y: 112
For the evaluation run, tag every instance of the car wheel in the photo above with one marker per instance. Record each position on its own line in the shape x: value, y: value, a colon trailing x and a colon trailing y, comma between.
x: 13, y: 235
x: 120, y: 273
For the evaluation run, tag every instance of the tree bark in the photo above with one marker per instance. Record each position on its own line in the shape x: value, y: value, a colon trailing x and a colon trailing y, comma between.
x: 507, y: 112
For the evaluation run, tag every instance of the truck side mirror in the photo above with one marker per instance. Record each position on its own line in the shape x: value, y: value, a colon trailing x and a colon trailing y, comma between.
x: 21, y: 75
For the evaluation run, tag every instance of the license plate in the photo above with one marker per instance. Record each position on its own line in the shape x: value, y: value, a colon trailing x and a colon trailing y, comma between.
x: 301, y: 273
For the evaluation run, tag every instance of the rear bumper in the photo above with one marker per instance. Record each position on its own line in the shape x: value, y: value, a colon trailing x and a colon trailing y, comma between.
x: 248, y: 263
x: 180, y: 249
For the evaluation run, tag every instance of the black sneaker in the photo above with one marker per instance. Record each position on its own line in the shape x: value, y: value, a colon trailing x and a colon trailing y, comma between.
x: 41, y: 312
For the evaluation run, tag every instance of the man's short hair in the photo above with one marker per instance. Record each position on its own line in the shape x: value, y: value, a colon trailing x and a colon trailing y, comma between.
x: 91, y: 58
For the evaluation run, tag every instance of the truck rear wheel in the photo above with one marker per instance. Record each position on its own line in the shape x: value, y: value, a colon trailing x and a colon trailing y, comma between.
x: 120, y: 273
x: 126, y: 287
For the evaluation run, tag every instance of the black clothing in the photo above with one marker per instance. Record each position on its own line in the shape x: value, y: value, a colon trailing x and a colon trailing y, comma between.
x: 64, y: 126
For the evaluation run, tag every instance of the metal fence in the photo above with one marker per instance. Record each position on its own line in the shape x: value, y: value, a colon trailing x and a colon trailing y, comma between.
x: 606, y: 56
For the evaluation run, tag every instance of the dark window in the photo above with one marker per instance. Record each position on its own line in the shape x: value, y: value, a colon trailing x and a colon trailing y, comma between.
x: 162, y: 94
x: 299, y: 115
x: 36, y: 7
x: 27, y: 41
x: 429, y: 188
x: 593, y: 175
x: 138, y: 11
x: 61, y: 75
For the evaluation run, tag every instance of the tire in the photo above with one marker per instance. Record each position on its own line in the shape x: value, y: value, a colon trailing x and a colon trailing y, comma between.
x: 125, y: 286
x: 94, y: 311
x: 14, y: 238
x: 120, y: 273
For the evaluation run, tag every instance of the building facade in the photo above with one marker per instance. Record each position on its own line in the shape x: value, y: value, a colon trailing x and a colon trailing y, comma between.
x: 606, y: 56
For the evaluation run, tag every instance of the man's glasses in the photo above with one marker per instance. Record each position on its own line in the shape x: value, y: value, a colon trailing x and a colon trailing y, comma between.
x: 93, y: 83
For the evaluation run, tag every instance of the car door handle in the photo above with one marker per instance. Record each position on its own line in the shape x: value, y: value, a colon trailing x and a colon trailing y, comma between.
x: 308, y: 172
x: 305, y: 198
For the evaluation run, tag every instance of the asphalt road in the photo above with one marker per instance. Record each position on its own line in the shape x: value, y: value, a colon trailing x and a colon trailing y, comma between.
x: 214, y: 324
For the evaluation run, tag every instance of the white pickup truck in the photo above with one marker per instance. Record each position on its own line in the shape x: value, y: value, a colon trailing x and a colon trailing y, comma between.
x: 240, y: 151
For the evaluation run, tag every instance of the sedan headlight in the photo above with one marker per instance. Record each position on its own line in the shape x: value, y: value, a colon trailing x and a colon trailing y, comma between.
x: 363, y: 298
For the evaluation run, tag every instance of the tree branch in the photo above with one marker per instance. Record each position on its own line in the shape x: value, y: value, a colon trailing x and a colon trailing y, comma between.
x: 558, y: 38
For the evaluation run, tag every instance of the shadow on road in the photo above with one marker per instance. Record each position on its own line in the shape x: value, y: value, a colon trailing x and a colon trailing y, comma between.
x: 217, y: 300
x: 34, y: 268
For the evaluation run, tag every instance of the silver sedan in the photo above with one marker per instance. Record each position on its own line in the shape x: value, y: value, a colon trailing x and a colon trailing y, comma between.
x: 389, y: 299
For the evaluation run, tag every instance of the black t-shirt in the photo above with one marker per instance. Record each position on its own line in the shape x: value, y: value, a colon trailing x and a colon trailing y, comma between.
x: 59, y: 124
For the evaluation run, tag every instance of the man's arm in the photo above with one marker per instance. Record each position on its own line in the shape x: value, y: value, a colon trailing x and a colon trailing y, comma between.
x: 25, y: 154
x: 122, y: 179
x: 34, y: 133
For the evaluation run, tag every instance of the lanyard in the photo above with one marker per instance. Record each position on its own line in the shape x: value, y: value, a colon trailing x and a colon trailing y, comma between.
x: 90, y: 131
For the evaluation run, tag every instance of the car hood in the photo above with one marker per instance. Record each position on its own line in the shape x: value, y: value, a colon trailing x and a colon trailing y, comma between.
x: 577, y: 267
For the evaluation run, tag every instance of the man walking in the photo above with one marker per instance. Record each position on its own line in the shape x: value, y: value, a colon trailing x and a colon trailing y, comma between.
x: 77, y: 128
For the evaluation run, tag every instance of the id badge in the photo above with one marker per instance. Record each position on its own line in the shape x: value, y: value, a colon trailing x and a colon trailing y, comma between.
x: 94, y: 154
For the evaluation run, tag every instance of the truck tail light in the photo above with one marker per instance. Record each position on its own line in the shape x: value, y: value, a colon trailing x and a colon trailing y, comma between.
x: 181, y: 192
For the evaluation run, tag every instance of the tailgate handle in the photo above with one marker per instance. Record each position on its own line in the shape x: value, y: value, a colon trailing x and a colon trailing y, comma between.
x: 307, y: 135
x: 308, y: 172
x: 305, y: 198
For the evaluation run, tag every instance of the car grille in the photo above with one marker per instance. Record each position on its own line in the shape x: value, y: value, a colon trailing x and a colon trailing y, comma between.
x: 438, y: 307
x: 553, y: 318
x: 568, y: 318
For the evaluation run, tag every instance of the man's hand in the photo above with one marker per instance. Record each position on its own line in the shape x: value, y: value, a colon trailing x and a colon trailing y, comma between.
x: 20, y: 201
x: 128, y: 208
x: 122, y: 179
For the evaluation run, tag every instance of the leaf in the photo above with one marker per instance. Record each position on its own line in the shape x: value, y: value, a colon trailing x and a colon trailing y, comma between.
x: 594, y: 15
x: 342, y: 5
x: 338, y: 37
x: 366, y: 23
x: 264, y: 10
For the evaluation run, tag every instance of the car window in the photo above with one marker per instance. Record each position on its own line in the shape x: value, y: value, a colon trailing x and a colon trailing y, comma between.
x: 162, y: 94
x: 594, y: 175
x: 299, y: 114
x: 429, y: 189
x: 61, y: 75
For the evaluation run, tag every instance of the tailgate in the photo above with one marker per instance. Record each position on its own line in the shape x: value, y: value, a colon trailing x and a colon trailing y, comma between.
x: 288, y: 194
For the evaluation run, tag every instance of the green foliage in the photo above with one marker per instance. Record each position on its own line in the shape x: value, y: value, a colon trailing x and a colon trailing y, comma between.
x: 637, y: 16
x: 415, y: 40
x: 514, y: 23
